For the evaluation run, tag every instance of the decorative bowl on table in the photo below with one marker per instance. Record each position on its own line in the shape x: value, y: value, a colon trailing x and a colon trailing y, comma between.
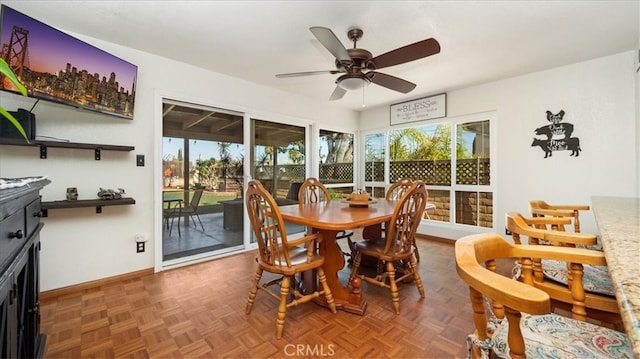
x: 359, y: 200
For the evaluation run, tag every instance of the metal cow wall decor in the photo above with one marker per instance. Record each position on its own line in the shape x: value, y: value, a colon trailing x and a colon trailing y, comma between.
x: 557, y: 136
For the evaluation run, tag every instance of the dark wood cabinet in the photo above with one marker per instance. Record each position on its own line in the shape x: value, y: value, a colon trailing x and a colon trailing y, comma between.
x: 20, y: 227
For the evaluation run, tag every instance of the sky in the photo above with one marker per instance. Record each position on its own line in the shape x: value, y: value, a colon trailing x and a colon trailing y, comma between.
x: 198, y: 150
x: 207, y: 149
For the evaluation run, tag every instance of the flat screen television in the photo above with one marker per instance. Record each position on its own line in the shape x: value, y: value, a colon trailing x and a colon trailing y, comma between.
x: 57, y: 67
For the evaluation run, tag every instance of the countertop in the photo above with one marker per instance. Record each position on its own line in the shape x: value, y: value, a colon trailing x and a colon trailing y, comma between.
x: 618, y: 220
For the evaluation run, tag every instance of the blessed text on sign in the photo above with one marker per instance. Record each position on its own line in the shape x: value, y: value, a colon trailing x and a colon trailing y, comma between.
x: 421, y: 109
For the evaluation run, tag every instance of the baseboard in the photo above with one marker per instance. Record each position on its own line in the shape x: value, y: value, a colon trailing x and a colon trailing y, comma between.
x: 73, y: 289
x: 436, y: 239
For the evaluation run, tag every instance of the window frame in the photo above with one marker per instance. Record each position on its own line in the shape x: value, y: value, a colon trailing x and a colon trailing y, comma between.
x: 315, y: 165
x: 451, y: 228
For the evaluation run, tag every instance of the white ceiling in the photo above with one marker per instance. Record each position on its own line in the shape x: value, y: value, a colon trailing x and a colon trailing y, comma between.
x: 481, y: 41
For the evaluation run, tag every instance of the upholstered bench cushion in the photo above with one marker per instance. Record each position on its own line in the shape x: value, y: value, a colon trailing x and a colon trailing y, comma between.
x: 554, y: 336
x: 596, y: 278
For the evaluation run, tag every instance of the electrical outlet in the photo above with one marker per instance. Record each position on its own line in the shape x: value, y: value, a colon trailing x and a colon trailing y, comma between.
x: 507, y: 232
x: 140, y: 160
x: 139, y: 247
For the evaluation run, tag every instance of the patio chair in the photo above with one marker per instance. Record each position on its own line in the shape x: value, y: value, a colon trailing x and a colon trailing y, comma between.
x: 191, y: 209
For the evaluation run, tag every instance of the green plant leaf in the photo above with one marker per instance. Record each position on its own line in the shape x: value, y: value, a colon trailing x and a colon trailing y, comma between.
x: 15, y: 122
x: 6, y: 70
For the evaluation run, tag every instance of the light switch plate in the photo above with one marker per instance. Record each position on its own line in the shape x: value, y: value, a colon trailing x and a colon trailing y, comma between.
x: 140, y: 160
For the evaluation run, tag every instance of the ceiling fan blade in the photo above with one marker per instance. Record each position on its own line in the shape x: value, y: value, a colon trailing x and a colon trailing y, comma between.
x: 337, y: 93
x: 329, y: 40
x: 308, y: 73
x: 407, y: 53
x: 390, y: 82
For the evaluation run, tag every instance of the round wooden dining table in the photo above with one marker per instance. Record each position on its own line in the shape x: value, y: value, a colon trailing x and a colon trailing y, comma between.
x: 329, y: 218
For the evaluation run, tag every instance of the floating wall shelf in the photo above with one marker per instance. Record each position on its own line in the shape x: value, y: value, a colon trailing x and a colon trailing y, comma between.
x: 98, y: 203
x: 59, y: 144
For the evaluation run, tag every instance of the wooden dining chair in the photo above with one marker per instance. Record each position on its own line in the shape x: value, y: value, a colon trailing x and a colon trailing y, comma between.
x: 513, y: 319
x: 541, y: 208
x: 398, y: 246
x: 398, y: 188
x: 281, y: 256
x: 557, y: 277
x: 313, y: 191
x: 394, y: 193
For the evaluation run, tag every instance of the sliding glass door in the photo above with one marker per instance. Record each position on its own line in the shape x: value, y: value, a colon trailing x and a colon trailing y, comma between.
x: 279, y: 161
x: 202, y: 171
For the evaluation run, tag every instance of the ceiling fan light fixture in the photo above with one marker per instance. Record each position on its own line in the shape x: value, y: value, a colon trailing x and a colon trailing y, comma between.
x: 353, y: 82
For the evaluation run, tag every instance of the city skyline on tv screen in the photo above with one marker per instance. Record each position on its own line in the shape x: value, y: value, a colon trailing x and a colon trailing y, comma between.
x: 58, y: 67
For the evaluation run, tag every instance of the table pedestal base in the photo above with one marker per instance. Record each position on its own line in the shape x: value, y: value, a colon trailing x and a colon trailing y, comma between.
x: 346, y: 299
x: 352, y: 304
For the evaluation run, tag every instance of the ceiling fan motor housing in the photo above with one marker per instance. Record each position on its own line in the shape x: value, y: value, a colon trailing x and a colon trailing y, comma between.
x: 353, y: 81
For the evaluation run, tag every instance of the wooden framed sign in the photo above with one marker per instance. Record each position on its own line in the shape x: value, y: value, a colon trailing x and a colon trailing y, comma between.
x: 421, y: 109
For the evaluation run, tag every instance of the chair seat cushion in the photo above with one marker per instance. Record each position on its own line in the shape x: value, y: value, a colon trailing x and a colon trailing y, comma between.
x: 596, y: 278
x: 297, y: 256
x: 554, y: 336
x: 376, y: 245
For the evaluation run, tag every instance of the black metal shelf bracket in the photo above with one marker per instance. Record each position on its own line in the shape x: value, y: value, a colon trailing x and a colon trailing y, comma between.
x: 43, y: 152
x: 98, y: 209
x: 97, y: 154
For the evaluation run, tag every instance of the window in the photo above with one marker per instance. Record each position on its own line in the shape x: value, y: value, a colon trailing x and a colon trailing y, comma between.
x: 474, y: 206
x: 336, y: 162
x: 451, y: 156
x: 374, y: 168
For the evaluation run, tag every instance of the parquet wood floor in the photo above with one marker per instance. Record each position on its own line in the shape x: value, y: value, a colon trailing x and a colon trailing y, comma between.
x: 199, y: 312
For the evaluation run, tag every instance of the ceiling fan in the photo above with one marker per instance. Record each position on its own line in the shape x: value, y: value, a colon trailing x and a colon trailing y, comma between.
x: 358, y: 66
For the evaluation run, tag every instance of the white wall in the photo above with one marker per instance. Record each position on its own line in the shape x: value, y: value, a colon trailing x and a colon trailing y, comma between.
x: 599, y: 98
x: 79, y: 245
